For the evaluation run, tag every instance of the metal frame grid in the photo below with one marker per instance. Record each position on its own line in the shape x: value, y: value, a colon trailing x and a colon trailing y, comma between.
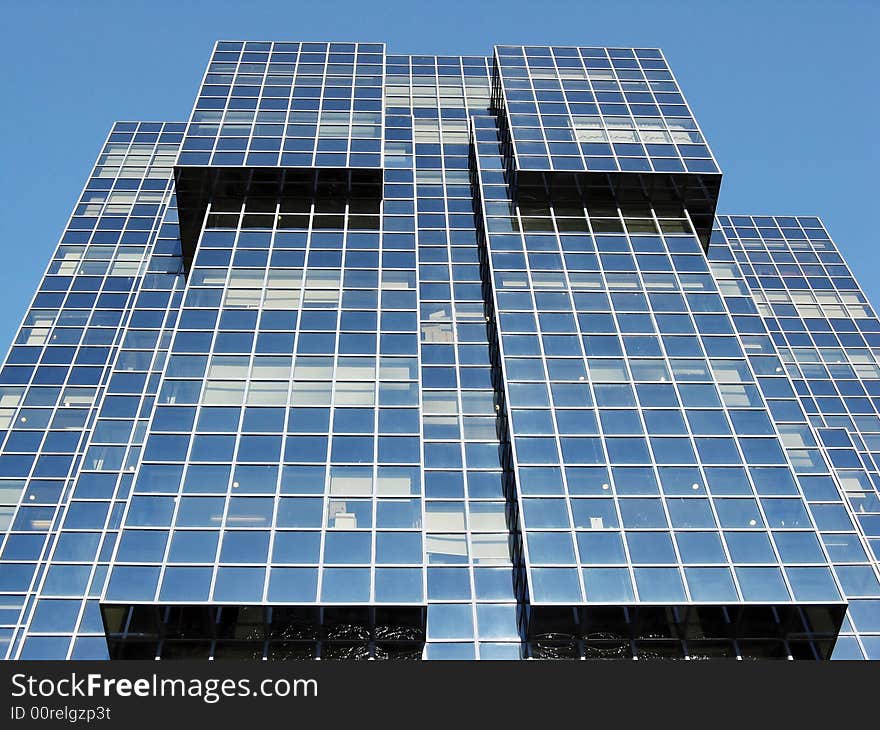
x: 828, y: 338
x: 290, y: 104
x: 551, y: 293
x: 91, y: 334
x: 602, y: 109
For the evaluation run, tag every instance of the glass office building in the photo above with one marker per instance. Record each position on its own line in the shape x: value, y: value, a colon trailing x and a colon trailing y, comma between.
x: 402, y: 357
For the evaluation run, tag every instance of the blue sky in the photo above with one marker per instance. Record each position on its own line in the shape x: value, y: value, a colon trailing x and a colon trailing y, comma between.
x: 784, y: 90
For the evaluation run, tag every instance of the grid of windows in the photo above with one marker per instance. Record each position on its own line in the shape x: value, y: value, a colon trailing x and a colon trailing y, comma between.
x: 290, y: 104
x: 645, y: 459
x: 604, y: 109
x: 827, y: 336
x: 76, y: 390
x: 472, y: 599
x: 265, y: 400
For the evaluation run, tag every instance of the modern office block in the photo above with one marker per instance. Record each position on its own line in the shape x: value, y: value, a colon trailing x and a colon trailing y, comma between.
x: 386, y: 356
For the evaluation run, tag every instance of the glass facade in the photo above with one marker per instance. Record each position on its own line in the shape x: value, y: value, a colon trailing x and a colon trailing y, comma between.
x: 386, y: 356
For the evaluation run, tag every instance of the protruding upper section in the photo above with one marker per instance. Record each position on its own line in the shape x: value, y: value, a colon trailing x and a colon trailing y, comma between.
x: 267, y: 107
x: 596, y: 109
x: 605, y: 125
x: 265, y: 104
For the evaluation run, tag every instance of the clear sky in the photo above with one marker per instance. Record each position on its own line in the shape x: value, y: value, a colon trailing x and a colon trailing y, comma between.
x: 785, y: 90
